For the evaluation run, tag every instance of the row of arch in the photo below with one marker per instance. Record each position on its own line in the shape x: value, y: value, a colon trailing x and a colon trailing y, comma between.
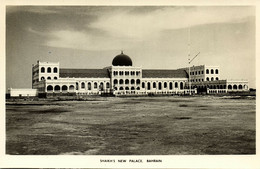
x: 49, y: 78
x: 127, y: 81
x: 237, y: 87
x: 161, y: 85
x: 49, y: 70
x: 82, y: 85
x: 212, y: 71
x: 126, y: 73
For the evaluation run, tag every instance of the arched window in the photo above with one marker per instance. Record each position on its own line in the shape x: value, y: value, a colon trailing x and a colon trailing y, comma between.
x: 107, y: 85
x: 207, y: 79
x: 165, y: 85
x: 138, y: 88
x: 212, y: 71
x: 207, y: 71
x: 170, y: 85
x: 138, y: 81
x: 101, y: 86
x: 49, y: 78
x: 216, y: 78
x: 83, y: 85
x: 57, y: 88
x: 55, y: 78
x: 132, y: 88
x: 148, y: 86
x: 89, y: 86
x: 49, y: 88
x: 115, y: 88
x: 71, y: 88
x: 115, y: 81
x: 42, y: 78
x: 95, y: 85
x: 230, y: 87
x: 176, y: 84
x: 127, y: 81
x: 181, y: 85
x: 64, y: 88
x: 154, y: 85
x: 121, y: 81
x: 132, y: 81
x: 127, y: 73
x: 235, y: 87
x: 143, y: 85
x: 216, y: 71
x: 42, y: 69
x: 121, y: 88
x: 49, y: 70
x: 240, y: 87
x: 126, y: 88
x: 160, y: 86
x: 77, y: 86
x: 55, y: 70
x: 202, y: 72
x: 212, y: 79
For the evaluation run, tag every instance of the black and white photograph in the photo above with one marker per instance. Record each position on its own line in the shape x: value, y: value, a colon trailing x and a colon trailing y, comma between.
x: 130, y: 81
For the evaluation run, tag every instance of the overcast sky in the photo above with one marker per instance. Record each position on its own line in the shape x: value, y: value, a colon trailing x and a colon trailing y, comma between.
x: 154, y: 37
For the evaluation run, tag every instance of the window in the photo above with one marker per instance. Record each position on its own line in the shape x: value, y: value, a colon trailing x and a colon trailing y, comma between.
x: 216, y: 71
x: 121, y: 88
x: 170, y: 85
x: 55, y: 70
x: 132, y: 81
x: 55, y: 78
x: 165, y: 85
x: 176, y: 84
x: 154, y: 85
x: 101, y: 86
x: 132, y: 88
x: 148, y: 86
x: 49, y: 88
x: 143, y: 85
x: 207, y: 78
x: 181, y: 85
x: 160, y: 86
x: 207, y: 71
x: 71, y: 87
x: 202, y: 72
x: 212, y: 71
x: 127, y: 73
x: 83, y: 85
x: 126, y: 88
x: 235, y: 87
x: 49, y: 70
x: 115, y: 81
x: 42, y: 78
x: 230, y: 87
x: 57, y: 88
x: 107, y: 85
x: 49, y: 78
x: 212, y: 79
x: 42, y: 69
x: 138, y: 81
x: 126, y: 81
x: 95, y: 85
x: 216, y: 78
x: 89, y: 86
x: 64, y: 88
x: 121, y: 81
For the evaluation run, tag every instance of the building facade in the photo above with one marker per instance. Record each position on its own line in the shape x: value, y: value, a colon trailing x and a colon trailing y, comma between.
x: 122, y: 78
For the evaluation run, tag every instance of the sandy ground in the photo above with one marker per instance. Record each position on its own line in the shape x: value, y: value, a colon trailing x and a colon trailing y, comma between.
x: 133, y: 126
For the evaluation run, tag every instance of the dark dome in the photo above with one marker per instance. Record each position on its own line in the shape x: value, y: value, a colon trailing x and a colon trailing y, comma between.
x: 122, y: 60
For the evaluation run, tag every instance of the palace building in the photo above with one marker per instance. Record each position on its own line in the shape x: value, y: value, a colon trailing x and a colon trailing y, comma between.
x: 122, y: 78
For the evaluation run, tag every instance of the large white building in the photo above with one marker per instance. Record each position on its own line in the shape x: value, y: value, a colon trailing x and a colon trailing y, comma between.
x: 122, y: 78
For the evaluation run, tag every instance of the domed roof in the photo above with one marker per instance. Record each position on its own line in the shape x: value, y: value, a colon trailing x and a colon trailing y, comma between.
x: 122, y: 60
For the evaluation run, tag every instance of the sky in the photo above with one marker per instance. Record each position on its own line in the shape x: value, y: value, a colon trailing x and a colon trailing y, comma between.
x: 155, y: 37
